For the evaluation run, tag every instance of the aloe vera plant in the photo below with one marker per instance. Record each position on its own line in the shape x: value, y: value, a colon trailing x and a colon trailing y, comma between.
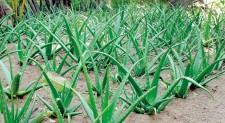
x: 3, y: 43
x: 14, y: 114
x: 13, y: 88
x: 59, y: 87
x: 198, y: 68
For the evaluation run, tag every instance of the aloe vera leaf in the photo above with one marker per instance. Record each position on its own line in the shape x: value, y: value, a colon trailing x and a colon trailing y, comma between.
x: 134, y: 104
x: 4, y: 108
x: 48, y: 49
x: 19, y: 48
x: 54, y: 90
x: 57, y: 109
x: 136, y: 109
x: 62, y: 63
x: 130, y: 78
x: 212, y: 77
x: 73, y: 108
x: 164, y: 104
x: 58, y: 40
x: 173, y: 85
x: 207, y: 28
x: 39, y: 118
x: 4, y: 55
x: 208, y: 69
x: 6, y: 73
x: 88, y: 82
x: 99, y: 32
x: 155, y: 81
x: 105, y: 99
x: 184, y: 86
x: 87, y: 109
x: 71, y: 37
x: 112, y: 105
x: 29, y: 112
x: 27, y: 102
x: 60, y: 105
x: 179, y: 60
x: 16, y: 83
x: 57, y: 81
x: 46, y: 103
x: 22, y: 93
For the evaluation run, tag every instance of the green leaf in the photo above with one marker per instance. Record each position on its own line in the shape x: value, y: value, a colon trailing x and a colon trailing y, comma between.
x: 105, y: 99
x: 6, y: 73
x: 28, y: 101
x: 184, y: 86
x: 4, y: 107
x: 130, y: 78
x: 134, y: 104
x: 16, y: 83
x: 155, y: 81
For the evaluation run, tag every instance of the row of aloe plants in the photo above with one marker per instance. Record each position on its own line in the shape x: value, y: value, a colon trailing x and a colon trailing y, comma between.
x: 132, y: 45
